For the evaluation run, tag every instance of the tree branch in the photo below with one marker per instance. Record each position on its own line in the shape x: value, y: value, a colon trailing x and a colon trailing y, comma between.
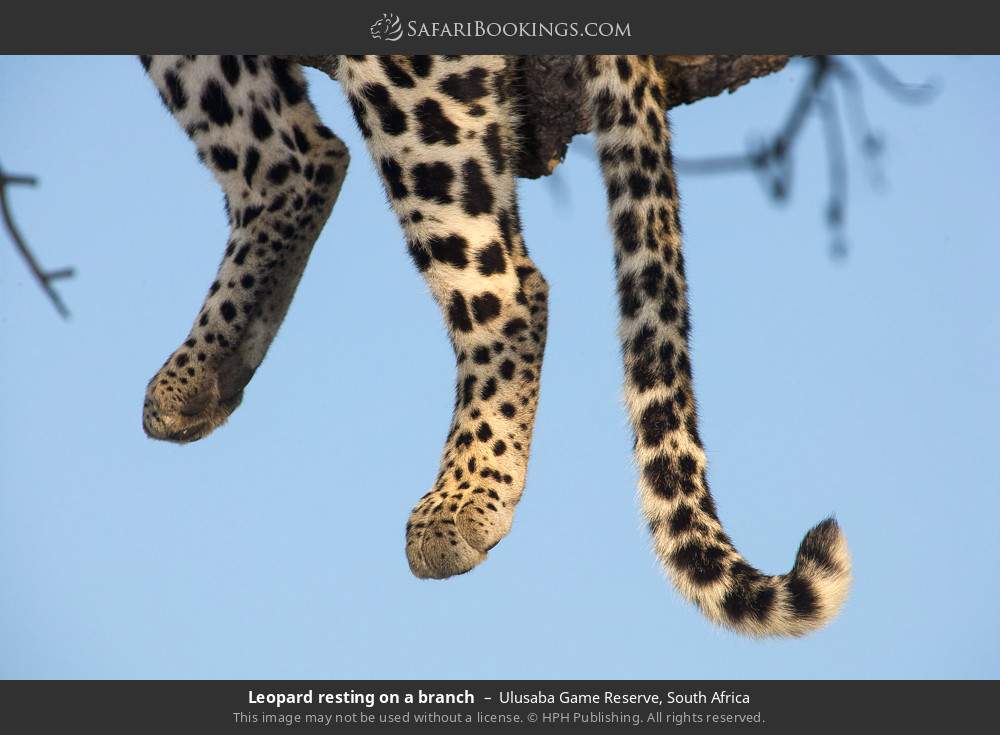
x: 552, y: 95
x: 44, y: 278
x: 771, y: 159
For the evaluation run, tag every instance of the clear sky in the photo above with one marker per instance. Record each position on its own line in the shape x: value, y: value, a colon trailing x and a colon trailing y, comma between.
x: 868, y: 387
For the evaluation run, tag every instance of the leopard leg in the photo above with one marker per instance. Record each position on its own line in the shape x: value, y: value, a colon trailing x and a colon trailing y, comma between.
x: 441, y: 130
x: 281, y: 170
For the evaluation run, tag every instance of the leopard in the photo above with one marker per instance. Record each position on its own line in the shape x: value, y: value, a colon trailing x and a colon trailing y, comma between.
x: 443, y: 134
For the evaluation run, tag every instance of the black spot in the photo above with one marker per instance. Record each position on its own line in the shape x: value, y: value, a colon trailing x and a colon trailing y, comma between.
x: 803, y: 596
x: 491, y: 260
x: 816, y: 546
x: 293, y: 90
x: 324, y: 174
x: 628, y: 297
x: 506, y: 230
x: 507, y: 369
x: 421, y: 65
x: 489, y: 389
x: 360, y: 115
x: 434, y: 125
x: 230, y: 69
x: 649, y: 158
x: 638, y: 185
x: 393, y: 174
x: 660, y: 477
x: 653, y: 122
x: 433, y: 181
x: 458, y: 313
x: 681, y: 519
x: 421, y: 258
x: 324, y: 132
x: 247, y: 281
x: 744, y: 601
x: 260, y: 125
x: 250, y: 165
x: 484, y: 432
x: 688, y: 464
x: 278, y: 173
x: 485, y: 307
x: 393, y: 119
x: 605, y: 113
x: 477, y: 197
x: 175, y: 88
x: 627, y: 117
x: 228, y: 310
x: 224, y: 158
x: 467, y: 386
x: 395, y: 73
x: 241, y: 255
x: 499, y: 447
x: 466, y: 87
x: 707, y: 505
x: 624, y: 68
x: 214, y: 103
x: 450, y: 249
x: 665, y: 187
x: 614, y: 190
x: 627, y: 231
x: 250, y: 214
x: 702, y: 564
x: 508, y: 410
x: 650, y: 278
x: 481, y: 355
x: 494, y: 147
x: 514, y: 326
x: 301, y: 141
x: 250, y: 62
x: 658, y: 418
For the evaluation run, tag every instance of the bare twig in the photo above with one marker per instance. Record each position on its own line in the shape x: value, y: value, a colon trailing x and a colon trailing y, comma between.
x: 903, y: 91
x: 44, y: 277
x: 837, y: 157
x: 771, y: 158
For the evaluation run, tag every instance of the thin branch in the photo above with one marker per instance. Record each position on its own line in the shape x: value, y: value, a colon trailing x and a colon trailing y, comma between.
x: 909, y: 93
x: 761, y: 157
x: 870, y: 141
x: 44, y: 277
x: 837, y: 157
x: 770, y: 159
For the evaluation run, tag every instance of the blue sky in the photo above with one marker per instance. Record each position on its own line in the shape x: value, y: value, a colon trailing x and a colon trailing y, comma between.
x: 867, y: 387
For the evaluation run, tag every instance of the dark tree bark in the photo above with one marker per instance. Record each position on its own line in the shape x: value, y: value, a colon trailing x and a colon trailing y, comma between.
x: 553, y: 106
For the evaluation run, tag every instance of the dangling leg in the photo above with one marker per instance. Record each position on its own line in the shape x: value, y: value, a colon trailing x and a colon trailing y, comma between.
x: 441, y: 132
x: 281, y: 170
x: 634, y: 146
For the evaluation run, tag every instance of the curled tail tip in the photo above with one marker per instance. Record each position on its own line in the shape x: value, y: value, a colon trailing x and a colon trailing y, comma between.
x: 819, y: 582
x: 813, y: 592
x: 789, y: 605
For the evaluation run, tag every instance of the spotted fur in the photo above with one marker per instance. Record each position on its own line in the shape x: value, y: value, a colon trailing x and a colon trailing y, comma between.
x: 442, y: 133
x: 633, y: 143
x: 280, y: 169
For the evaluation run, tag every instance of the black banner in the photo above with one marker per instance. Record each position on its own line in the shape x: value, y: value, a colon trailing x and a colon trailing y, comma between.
x: 450, y: 26
x: 280, y: 706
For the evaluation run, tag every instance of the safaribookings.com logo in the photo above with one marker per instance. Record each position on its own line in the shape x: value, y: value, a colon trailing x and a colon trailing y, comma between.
x: 390, y: 28
x: 387, y: 28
